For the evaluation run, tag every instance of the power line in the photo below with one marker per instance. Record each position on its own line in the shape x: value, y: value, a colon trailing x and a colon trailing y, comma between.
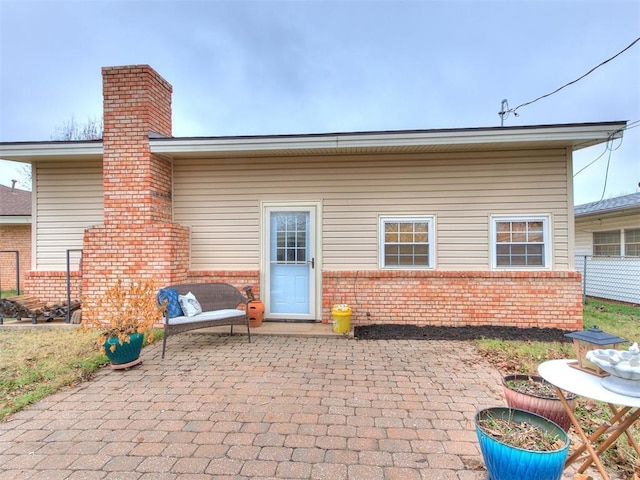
x: 609, y: 145
x: 606, y: 176
x: 505, y: 112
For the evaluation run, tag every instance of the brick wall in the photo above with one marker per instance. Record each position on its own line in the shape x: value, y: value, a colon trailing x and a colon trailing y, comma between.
x: 51, y: 287
x: 137, y: 184
x: 519, y: 299
x: 14, y: 237
x: 239, y: 278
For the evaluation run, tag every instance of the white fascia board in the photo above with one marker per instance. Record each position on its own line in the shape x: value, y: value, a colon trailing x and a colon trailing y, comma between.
x: 241, y: 144
x: 579, y: 136
x: 15, y: 220
x: 28, y: 152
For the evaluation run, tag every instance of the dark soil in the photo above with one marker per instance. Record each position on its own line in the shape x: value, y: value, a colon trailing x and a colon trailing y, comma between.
x: 413, y: 332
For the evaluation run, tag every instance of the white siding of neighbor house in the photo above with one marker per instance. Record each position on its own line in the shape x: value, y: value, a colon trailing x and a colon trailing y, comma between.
x: 614, y: 278
x: 68, y: 199
x: 586, y: 226
x: 220, y: 200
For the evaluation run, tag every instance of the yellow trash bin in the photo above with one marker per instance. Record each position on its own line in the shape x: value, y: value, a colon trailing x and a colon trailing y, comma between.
x: 341, y: 315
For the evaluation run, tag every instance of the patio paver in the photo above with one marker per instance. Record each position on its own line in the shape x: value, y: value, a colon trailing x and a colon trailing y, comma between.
x: 281, y: 407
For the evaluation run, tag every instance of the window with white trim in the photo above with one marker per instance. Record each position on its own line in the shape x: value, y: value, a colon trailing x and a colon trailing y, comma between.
x: 406, y: 242
x: 616, y: 243
x: 632, y: 242
x: 606, y: 243
x: 521, y: 242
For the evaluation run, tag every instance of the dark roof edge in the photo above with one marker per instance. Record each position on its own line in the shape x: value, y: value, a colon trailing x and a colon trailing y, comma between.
x: 157, y: 137
x: 391, y: 132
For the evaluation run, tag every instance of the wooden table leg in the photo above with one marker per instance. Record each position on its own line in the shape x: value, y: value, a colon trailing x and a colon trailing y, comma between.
x: 633, y: 417
x: 601, y: 430
x: 620, y: 423
x: 586, y: 442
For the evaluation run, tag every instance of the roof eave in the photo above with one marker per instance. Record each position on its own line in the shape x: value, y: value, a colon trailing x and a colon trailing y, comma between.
x: 626, y: 210
x: 28, y: 152
x: 577, y: 136
x: 15, y: 219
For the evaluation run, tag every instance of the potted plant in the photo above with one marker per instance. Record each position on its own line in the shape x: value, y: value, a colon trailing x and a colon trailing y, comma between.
x: 520, y: 444
x: 124, y: 314
x: 534, y: 394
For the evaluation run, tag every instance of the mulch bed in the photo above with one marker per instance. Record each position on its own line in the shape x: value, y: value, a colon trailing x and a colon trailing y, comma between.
x: 413, y: 332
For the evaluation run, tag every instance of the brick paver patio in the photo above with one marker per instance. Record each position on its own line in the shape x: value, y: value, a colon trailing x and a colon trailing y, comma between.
x: 220, y: 408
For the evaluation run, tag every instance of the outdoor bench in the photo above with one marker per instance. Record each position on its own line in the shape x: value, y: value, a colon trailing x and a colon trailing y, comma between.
x: 219, y: 303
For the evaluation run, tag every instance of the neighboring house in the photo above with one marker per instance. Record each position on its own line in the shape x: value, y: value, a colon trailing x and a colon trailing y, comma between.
x: 608, y: 247
x: 442, y: 227
x: 15, y: 235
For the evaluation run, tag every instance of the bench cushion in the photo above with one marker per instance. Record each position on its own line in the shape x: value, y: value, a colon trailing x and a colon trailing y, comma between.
x: 208, y: 316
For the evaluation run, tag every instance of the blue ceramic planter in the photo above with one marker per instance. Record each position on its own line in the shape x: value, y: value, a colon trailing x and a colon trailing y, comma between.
x: 505, y: 462
x: 125, y: 353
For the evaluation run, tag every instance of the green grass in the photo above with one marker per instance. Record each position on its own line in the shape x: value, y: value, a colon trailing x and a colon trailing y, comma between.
x: 35, y: 363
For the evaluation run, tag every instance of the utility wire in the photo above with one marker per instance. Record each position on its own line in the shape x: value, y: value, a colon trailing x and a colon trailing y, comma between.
x: 606, y: 175
x: 513, y: 110
x: 609, y: 148
x: 606, y: 147
x: 629, y: 126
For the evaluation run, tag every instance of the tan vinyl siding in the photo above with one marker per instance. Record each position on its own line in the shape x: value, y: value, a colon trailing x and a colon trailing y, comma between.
x: 68, y: 200
x: 220, y: 200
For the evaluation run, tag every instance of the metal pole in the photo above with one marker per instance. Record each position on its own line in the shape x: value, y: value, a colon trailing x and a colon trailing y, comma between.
x: 17, y: 272
x: 584, y: 281
x: 68, y: 315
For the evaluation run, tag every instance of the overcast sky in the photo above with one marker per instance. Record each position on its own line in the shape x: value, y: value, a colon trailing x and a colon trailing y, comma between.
x: 274, y: 67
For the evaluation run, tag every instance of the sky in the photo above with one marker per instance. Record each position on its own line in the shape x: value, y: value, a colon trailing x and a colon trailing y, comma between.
x: 278, y: 67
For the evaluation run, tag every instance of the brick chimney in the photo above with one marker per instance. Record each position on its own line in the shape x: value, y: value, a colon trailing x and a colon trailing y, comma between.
x: 137, y: 184
x: 138, y: 238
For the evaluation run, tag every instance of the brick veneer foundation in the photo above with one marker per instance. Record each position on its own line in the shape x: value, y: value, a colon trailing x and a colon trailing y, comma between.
x: 518, y: 299
x: 239, y: 278
x: 51, y: 287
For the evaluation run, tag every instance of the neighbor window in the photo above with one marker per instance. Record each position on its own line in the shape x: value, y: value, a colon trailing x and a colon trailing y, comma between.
x: 406, y: 242
x: 606, y: 243
x: 632, y: 242
x: 520, y: 242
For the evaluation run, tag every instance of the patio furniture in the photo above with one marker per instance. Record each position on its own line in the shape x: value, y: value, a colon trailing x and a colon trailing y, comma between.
x: 219, y: 303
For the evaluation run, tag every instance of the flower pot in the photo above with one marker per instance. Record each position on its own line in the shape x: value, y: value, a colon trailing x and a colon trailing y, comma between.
x: 124, y: 355
x: 255, y: 311
x: 549, y: 407
x: 506, y: 462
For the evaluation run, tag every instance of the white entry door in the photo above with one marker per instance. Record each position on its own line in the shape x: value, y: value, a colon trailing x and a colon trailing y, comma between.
x: 290, y: 267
